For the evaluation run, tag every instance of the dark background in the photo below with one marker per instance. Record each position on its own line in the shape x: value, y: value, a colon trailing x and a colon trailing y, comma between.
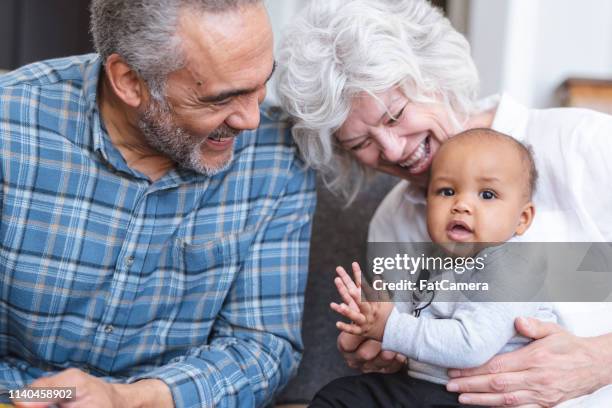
x: 32, y: 30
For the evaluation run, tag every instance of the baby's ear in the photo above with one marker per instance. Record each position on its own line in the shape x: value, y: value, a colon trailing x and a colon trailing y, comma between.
x: 525, y: 219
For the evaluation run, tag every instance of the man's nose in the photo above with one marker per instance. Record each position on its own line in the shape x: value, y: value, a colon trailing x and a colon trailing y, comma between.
x: 246, y: 115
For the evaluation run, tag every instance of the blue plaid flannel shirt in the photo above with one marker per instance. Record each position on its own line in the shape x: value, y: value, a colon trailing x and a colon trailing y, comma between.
x: 194, y: 280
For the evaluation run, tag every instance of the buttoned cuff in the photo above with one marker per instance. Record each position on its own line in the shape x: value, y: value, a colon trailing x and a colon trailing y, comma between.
x: 187, y: 384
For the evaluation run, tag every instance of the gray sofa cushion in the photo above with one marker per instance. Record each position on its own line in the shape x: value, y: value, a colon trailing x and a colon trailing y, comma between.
x: 339, y: 237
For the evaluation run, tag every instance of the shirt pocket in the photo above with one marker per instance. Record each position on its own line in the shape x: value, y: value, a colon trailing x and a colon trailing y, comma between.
x: 196, y: 260
x: 204, y: 276
x: 224, y: 252
x: 205, y: 270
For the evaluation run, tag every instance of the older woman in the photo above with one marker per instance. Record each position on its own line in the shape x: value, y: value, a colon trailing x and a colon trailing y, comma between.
x: 379, y: 85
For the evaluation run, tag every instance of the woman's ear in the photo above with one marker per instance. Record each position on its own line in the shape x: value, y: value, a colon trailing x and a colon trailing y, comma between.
x: 526, y: 217
x: 124, y: 81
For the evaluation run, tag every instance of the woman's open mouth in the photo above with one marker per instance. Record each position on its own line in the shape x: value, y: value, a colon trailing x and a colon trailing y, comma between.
x: 420, y: 158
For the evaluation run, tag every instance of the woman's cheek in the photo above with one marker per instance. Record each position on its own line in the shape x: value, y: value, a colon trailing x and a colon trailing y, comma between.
x: 369, y: 159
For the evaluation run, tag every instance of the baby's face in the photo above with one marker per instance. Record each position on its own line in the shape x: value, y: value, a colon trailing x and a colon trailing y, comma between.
x: 477, y: 192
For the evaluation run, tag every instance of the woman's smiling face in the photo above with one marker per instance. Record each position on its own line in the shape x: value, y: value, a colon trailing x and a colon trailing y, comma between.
x: 398, y: 136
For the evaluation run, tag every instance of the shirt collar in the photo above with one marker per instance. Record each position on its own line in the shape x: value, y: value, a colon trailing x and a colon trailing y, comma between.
x: 91, y: 79
x: 100, y: 139
x: 510, y: 117
x: 101, y: 142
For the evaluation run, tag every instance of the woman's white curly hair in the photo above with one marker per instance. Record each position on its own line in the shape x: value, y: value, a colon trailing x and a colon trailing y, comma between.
x: 337, y: 49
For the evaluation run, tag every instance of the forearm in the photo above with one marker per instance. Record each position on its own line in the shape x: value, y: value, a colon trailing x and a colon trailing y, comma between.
x: 441, y: 342
x: 237, y: 371
x: 468, y: 338
x: 149, y: 393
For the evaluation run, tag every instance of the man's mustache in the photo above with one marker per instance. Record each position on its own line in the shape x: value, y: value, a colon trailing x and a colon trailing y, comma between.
x: 223, y: 132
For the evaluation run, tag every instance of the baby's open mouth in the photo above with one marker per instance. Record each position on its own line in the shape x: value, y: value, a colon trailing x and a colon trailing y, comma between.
x: 458, y: 230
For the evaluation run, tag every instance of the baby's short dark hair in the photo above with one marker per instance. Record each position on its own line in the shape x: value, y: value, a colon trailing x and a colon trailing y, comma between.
x: 525, y: 151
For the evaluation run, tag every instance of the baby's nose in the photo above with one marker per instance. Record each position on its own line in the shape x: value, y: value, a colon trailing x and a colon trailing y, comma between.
x: 461, y: 206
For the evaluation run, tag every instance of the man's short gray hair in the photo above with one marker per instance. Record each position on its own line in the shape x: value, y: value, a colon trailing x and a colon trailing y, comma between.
x: 338, y: 49
x: 145, y: 33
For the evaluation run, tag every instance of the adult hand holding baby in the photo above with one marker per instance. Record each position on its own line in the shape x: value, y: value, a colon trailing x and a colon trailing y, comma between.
x: 528, y: 377
x: 367, y: 356
x: 558, y: 366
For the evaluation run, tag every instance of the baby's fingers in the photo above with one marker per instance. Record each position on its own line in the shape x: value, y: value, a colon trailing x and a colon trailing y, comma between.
x: 349, y: 328
x: 345, y: 294
x: 356, y: 274
x: 346, y: 279
x: 339, y: 309
x: 349, y: 313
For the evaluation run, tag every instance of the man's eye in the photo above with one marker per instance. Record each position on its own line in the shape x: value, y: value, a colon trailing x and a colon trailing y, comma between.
x: 361, y: 145
x: 222, y: 103
x: 395, y: 118
x: 487, y: 195
x: 446, y: 192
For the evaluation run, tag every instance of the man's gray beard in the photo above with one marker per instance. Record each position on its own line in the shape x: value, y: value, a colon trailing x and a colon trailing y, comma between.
x: 160, y: 131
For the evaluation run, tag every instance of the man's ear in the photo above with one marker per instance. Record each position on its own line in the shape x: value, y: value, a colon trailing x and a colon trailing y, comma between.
x: 124, y: 81
x: 527, y: 214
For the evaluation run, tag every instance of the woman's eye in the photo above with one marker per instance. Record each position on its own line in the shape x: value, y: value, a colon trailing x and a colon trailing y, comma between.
x: 361, y: 145
x: 395, y: 118
x: 446, y: 192
x: 487, y: 195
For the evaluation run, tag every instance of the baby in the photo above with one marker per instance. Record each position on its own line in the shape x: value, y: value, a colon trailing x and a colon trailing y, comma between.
x: 479, y: 192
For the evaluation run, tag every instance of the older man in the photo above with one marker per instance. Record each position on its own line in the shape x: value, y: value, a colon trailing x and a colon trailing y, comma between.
x: 150, y: 254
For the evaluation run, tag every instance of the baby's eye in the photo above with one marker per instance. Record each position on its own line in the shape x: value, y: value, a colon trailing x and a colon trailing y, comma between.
x: 487, y: 195
x: 446, y: 192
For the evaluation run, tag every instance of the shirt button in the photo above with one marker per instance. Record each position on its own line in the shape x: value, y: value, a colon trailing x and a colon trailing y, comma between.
x: 108, y: 329
x: 129, y: 261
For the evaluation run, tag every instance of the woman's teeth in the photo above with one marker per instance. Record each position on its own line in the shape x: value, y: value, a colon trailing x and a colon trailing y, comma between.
x: 419, y: 154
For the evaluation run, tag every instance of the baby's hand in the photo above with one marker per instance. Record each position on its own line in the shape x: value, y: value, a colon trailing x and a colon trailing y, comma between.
x: 368, y: 318
x: 349, y: 290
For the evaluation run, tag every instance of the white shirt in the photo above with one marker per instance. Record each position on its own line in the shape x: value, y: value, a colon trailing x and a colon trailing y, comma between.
x: 573, y: 200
